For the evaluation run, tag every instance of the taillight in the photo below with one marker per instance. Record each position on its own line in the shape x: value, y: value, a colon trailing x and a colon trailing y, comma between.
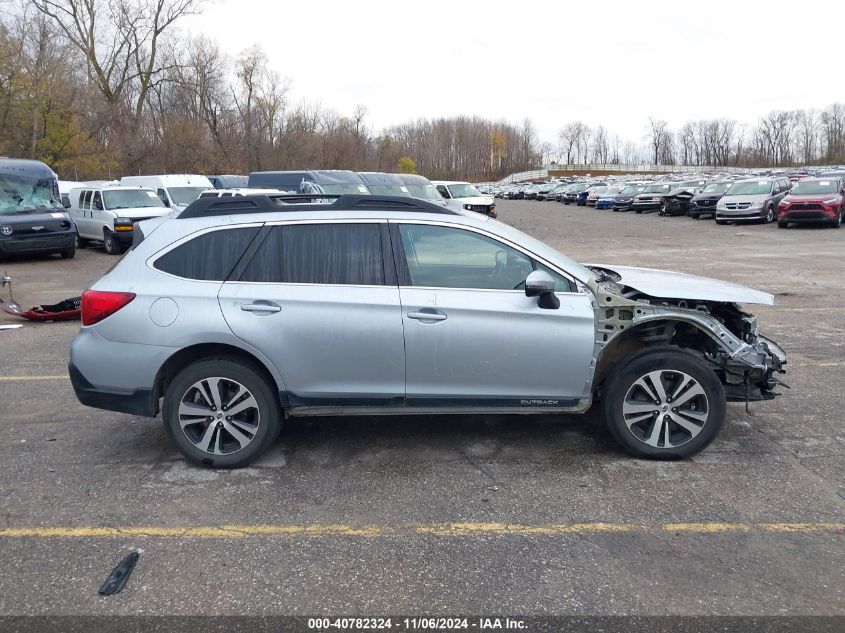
x: 98, y: 304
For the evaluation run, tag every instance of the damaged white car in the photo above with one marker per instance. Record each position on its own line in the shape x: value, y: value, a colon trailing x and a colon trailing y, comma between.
x: 236, y: 318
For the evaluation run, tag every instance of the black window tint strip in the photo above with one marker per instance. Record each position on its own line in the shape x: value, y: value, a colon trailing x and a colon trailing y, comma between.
x: 324, y: 253
x: 208, y: 257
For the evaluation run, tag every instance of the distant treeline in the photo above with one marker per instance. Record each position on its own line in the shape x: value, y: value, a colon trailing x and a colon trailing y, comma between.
x: 103, y: 88
x: 99, y: 89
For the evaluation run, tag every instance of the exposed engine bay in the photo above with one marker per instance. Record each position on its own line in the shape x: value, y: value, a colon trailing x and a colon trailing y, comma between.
x: 723, y: 334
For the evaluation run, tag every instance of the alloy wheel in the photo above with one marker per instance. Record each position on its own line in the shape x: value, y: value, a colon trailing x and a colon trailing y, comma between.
x: 665, y: 408
x: 219, y: 415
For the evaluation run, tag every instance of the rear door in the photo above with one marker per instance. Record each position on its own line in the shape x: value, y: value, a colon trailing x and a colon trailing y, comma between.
x: 472, y: 337
x: 320, y: 299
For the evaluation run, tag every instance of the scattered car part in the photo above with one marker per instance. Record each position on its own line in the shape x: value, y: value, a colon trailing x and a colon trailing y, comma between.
x: 119, y: 575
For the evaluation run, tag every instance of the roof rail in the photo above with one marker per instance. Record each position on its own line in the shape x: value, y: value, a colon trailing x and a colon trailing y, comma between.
x: 286, y: 202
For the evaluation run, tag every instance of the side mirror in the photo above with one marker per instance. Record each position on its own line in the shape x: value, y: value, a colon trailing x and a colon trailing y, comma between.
x: 65, y: 202
x: 540, y: 284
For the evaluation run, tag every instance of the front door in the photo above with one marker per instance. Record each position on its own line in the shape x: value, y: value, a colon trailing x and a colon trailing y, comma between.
x: 317, y: 299
x: 472, y: 336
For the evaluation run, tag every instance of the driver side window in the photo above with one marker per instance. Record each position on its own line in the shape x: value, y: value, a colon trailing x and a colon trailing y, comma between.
x: 443, y: 191
x: 444, y: 257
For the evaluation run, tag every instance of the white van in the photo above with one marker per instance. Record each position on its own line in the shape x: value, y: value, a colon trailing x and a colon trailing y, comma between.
x: 108, y: 213
x: 176, y: 191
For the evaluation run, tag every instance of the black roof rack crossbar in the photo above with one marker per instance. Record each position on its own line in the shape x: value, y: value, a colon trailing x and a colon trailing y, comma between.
x: 286, y: 202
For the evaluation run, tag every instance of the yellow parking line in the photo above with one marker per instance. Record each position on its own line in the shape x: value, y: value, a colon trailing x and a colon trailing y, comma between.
x: 27, y: 378
x: 437, y: 529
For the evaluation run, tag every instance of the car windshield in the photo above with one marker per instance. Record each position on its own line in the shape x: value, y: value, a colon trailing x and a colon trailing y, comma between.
x: 598, y: 190
x: 690, y: 183
x: 631, y: 190
x: 389, y: 190
x: 426, y: 192
x: 185, y: 195
x: 463, y: 191
x: 131, y: 199
x: 612, y: 191
x: 814, y: 186
x: 19, y: 194
x: 716, y: 187
x: 750, y: 188
x: 657, y: 188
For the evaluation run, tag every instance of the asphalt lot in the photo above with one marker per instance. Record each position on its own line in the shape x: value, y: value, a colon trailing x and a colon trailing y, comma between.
x: 552, y: 518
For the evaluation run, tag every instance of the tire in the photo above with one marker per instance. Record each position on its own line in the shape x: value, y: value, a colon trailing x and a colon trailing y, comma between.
x: 628, y: 395
x: 770, y: 215
x: 837, y: 223
x: 782, y: 225
x: 68, y: 253
x: 81, y: 242
x: 113, y: 247
x: 228, y: 443
x: 720, y: 222
x: 695, y: 216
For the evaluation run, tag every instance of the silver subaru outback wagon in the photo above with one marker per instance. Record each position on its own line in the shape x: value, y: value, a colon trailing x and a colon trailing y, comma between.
x: 242, y: 311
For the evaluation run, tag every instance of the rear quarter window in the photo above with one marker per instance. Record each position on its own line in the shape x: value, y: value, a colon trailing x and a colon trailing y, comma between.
x: 207, y: 257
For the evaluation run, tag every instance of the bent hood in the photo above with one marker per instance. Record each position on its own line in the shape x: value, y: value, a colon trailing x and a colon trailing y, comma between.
x: 664, y: 284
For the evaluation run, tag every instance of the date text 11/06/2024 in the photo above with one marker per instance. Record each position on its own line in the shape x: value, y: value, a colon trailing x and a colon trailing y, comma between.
x: 416, y: 624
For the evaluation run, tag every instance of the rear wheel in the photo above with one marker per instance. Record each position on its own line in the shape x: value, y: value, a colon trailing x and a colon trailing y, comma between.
x: 664, y: 404
x: 113, y: 247
x: 221, y: 413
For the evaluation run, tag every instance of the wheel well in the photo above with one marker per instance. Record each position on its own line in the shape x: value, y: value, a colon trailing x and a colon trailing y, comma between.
x: 204, y: 351
x: 651, y: 335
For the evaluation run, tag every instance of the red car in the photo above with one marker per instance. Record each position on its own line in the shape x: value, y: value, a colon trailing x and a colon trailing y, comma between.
x: 814, y: 200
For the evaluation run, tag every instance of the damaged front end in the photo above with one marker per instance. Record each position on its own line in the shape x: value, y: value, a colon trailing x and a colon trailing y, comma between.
x: 724, y: 335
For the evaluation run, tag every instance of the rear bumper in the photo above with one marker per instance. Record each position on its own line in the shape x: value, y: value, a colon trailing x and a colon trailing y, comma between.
x: 35, y: 244
x: 134, y: 402
x: 102, y: 378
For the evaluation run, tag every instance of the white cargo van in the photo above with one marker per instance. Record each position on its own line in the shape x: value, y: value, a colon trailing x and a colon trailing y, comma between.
x: 176, y: 191
x: 108, y: 213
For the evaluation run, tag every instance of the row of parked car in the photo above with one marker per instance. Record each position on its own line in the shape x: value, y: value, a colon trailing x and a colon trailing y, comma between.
x: 765, y: 198
x: 41, y: 214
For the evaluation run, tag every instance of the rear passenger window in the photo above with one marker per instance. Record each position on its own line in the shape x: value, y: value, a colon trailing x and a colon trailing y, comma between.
x: 347, y: 254
x: 209, y: 257
x: 86, y: 200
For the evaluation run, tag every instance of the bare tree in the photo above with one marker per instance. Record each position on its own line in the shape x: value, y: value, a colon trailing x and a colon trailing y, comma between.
x: 120, y: 41
x: 657, y: 134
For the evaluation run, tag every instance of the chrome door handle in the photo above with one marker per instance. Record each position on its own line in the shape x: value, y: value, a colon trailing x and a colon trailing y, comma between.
x: 261, y: 306
x: 427, y: 316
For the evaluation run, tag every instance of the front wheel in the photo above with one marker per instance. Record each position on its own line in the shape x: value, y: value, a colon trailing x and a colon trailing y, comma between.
x: 221, y: 413
x: 112, y: 246
x: 770, y: 215
x: 664, y: 404
x: 68, y: 253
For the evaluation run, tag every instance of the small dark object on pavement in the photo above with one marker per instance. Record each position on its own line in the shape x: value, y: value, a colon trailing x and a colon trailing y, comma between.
x: 119, y: 575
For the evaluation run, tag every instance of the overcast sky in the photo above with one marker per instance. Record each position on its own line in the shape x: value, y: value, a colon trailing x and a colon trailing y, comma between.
x: 613, y: 63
